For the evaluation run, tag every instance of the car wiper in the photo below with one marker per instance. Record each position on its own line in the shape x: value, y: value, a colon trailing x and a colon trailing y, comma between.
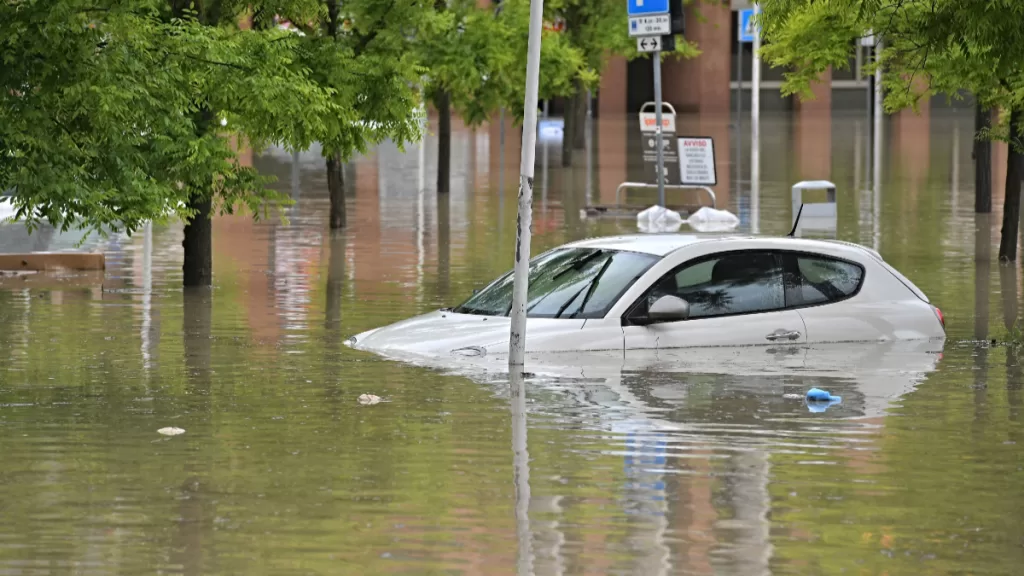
x: 590, y: 287
x: 577, y: 264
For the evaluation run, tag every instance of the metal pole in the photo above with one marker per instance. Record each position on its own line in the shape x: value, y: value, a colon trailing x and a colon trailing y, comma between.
x: 877, y: 136
x: 521, y: 278
x: 521, y: 472
x: 755, y: 131
x: 739, y: 79
x: 877, y: 152
x: 147, y: 293
x: 755, y: 80
x: 501, y: 171
x: 658, y: 132
x: 739, y: 106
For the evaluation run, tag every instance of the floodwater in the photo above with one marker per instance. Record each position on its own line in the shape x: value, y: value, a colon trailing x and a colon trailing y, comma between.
x: 689, y: 463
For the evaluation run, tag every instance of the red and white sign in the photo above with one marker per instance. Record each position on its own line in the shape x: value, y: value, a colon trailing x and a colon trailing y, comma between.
x: 649, y: 122
x: 697, y: 161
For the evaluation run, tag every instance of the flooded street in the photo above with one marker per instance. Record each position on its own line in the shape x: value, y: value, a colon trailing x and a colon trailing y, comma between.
x: 679, y: 463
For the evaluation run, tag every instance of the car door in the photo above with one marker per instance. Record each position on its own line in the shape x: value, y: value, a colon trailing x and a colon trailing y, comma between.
x: 736, y: 299
x: 823, y: 289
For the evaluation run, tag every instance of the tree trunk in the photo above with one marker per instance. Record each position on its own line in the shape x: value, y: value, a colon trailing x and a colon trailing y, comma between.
x: 579, y: 133
x: 335, y: 284
x: 982, y: 162
x: 568, y: 129
x: 444, y: 141
x: 444, y: 247
x: 1011, y: 204
x: 198, y: 242
x: 336, y: 190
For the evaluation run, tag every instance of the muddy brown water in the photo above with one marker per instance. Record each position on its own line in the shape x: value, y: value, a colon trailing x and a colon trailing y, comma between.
x: 682, y: 464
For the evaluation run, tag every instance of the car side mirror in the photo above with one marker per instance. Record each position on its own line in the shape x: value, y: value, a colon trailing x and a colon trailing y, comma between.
x: 668, y: 308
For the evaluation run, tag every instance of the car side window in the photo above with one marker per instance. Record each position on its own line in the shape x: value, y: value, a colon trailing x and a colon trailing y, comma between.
x: 733, y: 283
x: 820, y: 279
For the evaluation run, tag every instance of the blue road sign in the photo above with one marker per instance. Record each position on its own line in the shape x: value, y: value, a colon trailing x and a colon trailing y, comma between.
x: 746, y: 25
x: 647, y: 7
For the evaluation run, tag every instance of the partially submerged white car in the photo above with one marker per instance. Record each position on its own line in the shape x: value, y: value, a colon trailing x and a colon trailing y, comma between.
x: 667, y: 291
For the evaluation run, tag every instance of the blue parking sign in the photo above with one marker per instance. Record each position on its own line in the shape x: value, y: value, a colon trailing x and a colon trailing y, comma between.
x: 747, y: 25
x: 647, y: 7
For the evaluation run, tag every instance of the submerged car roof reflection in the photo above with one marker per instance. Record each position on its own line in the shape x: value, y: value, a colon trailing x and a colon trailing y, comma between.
x: 868, y: 376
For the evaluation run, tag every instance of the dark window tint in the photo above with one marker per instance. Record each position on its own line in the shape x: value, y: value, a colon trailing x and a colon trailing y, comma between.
x: 817, y: 280
x: 566, y: 283
x: 736, y: 283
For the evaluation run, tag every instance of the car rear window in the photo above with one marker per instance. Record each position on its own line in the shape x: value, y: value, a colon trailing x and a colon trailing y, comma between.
x: 821, y: 280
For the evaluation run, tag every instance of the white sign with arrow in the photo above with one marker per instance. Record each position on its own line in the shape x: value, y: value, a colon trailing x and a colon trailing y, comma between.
x: 648, y: 44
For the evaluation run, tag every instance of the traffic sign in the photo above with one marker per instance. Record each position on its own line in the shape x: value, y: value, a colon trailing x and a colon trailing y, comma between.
x: 747, y: 25
x: 670, y: 154
x: 648, y: 44
x: 646, y: 7
x: 658, y: 25
x: 649, y: 122
x: 697, y: 161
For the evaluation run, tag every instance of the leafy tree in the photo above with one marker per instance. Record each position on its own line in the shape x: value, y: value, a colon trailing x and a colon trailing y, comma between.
x: 596, y: 28
x: 476, y: 61
x: 119, y: 112
x: 929, y: 47
x: 359, y: 50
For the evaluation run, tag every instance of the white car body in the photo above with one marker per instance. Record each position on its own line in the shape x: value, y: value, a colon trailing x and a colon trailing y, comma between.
x: 884, y: 307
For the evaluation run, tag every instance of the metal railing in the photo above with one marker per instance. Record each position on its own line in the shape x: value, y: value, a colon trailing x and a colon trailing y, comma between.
x: 644, y: 186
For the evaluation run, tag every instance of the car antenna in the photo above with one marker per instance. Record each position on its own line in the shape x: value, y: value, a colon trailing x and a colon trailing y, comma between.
x: 796, y: 221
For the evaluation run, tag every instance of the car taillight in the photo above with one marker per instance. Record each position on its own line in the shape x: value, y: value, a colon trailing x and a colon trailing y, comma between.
x: 938, y: 314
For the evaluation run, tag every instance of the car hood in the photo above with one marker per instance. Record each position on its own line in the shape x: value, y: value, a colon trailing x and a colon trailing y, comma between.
x: 443, y: 332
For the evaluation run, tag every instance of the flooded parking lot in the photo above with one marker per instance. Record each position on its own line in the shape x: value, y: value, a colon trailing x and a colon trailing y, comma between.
x: 683, y: 462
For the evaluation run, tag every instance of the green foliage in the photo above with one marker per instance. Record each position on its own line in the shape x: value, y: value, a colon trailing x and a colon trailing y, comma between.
x: 1014, y: 337
x: 929, y: 46
x: 112, y: 112
x: 479, y: 58
x: 599, y: 28
x: 370, y: 71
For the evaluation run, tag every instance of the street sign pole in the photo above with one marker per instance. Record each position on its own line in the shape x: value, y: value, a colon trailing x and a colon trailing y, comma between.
x: 653, y: 22
x: 739, y: 80
x: 755, y: 129
x: 524, y: 219
x: 658, y: 133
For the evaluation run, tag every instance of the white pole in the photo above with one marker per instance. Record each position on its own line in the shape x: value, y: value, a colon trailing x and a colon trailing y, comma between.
x: 147, y: 292
x: 755, y: 130
x: 755, y: 81
x: 524, y: 223
x: 877, y: 152
x: 659, y: 133
x: 521, y: 472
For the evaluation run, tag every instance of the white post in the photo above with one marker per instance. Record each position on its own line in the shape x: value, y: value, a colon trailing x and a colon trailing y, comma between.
x: 755, y: 130
x: 521, y: 472
x: 147, y: 292
x: 877, y: 152
x: 755, y: 81
x: 659, y: 133
x: 524, y: 219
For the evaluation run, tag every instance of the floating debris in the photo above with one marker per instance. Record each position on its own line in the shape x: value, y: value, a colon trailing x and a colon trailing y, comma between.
x: 366, y: 400
x: 818, y: 400
x: 171, y: 431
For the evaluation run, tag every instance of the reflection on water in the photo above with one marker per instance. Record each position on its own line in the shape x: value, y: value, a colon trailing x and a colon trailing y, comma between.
x: 685, y: 462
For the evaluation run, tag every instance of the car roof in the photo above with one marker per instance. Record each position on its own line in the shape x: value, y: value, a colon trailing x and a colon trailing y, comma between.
x: 656, y: 244
x: 664, y: 244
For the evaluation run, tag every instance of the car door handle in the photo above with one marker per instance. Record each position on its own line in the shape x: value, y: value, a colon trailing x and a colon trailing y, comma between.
x: 781, y: 334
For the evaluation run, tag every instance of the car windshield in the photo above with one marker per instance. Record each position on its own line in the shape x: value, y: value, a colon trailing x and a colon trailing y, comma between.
x: 566, y: 283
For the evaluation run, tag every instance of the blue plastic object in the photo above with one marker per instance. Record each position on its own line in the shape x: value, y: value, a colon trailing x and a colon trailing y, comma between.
x: 819, y: 400
x: 819, y: 395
